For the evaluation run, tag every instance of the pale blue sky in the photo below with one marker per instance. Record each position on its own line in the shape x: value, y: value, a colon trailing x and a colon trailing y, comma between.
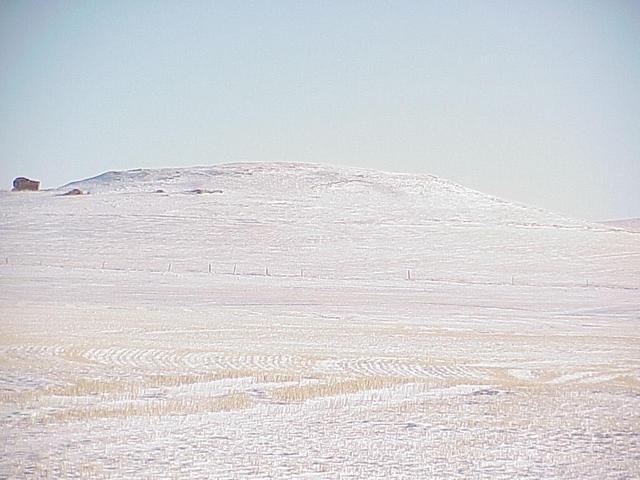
x: 534, y: 101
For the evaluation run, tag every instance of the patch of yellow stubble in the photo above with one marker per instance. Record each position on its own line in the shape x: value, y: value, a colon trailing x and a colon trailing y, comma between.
x: 148, y: 408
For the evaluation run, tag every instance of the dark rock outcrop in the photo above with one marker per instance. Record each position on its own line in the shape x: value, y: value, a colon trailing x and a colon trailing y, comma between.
x: 200, y: 191
x: 23, y: 183
x: 74, y: 191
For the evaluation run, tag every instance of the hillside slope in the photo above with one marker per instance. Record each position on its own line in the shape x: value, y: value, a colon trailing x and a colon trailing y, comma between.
x: 327, y: 221
x: 629, y: 224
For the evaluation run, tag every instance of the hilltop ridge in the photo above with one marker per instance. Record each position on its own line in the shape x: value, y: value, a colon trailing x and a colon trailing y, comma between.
x: 406, y: 196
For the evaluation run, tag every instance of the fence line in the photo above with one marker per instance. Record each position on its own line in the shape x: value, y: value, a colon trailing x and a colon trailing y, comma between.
x: 324, y: 274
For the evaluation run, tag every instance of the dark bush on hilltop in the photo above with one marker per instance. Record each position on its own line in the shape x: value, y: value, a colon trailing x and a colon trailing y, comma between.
x: 74, y: 191
x: 23, y: 183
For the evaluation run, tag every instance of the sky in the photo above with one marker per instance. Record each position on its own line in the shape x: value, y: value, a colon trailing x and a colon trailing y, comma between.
x: 532, y: 101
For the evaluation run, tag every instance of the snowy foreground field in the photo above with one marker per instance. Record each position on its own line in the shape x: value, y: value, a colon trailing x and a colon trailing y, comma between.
x: 302, y: 321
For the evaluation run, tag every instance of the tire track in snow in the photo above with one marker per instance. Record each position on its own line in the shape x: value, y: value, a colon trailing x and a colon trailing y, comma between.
x: 367, y: 367
x: 193, y: 360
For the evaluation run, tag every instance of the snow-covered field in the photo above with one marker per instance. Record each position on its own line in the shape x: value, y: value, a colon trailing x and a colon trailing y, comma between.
x: 304, y: 321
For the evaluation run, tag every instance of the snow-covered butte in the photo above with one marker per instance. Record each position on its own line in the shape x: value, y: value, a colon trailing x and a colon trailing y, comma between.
x: 318, y: 184
x: 329, y: 221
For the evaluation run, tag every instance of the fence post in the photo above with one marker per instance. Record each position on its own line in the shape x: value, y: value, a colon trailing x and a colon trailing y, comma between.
x: 408, y: 274
x: 235, y: 267
x: 169, y: 268
x: 209, y: 267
